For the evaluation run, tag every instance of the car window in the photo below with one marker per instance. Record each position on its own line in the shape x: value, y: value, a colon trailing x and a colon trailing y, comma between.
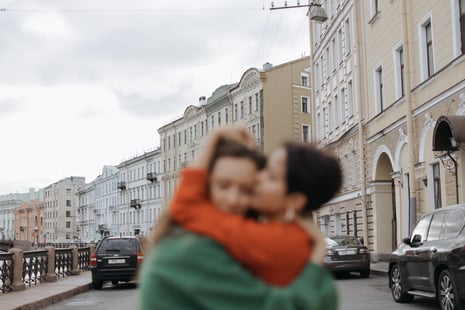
x: 349, y: 240
x: 422, y: 228
x: 121, y: 246
x: 435, y: 226
x: 453, y: 224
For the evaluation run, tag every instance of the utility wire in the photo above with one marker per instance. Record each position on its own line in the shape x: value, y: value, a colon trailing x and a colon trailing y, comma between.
x: 120, y: 11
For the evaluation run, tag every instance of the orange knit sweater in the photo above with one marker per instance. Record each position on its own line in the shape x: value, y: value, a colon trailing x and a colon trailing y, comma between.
x: 274, y: 252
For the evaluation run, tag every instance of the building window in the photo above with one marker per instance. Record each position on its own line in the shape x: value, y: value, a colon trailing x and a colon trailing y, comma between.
x: 179, y: 138
x: 379, y: 89
x: 201, y: 128
x: 235, y: 112
x: 317, y: 74
x: 242, y: 109
x: 219, y: 118
x: 343, y: 105
x: 429, y: 49
x: 436, y: 186
x: 348, y: 37
x: 250, y: 105
x: 350, y: 99
x: 226, y: 115
x: 328, y: 64
x: 256, y: 102
x: 400, y: 72
x: 68, y: 213
x: 169, y: 143
x: 68, y: 203
x: 68, y: 225
x: 374, y: 8
x: 330, y: 116
x: 304, y: 105
x: 213, y: 121
x: 426, y: 50
x: 340, y: 41
x: 334, y: 54
x: 304, y: 80
x: 462, y: 24
x: 305, y: 134
x: 337, y: 112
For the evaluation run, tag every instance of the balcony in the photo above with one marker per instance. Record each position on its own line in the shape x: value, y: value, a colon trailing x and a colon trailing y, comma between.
x: 122, y: 185
x: 152, y: 177
x: 135, y: 203
x: 22, y: 228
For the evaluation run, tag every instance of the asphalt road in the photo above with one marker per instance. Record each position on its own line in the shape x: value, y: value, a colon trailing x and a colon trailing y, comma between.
x: 354, y: 293
x: 373, y: 293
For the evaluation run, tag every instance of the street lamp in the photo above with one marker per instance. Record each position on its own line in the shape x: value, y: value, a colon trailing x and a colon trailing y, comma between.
x: 316, y: 12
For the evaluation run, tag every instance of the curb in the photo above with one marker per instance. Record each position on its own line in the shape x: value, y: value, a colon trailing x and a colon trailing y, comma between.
x: 49, y: 300
x: 379, y: 272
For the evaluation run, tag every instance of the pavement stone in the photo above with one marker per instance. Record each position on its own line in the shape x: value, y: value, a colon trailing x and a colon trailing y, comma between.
x: 47, y: 293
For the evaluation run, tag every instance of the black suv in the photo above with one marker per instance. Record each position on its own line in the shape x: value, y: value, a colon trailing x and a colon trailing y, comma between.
x: 431, y: 263
x: 116, y: 259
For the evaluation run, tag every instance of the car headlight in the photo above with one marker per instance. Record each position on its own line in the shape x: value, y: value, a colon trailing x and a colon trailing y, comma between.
x: 329, y: 252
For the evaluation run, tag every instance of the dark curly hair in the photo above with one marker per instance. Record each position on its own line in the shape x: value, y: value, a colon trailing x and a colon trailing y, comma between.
x: 313, y: 172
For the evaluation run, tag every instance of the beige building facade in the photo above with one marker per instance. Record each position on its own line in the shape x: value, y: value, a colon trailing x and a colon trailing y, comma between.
x: 60, y: 209
x: 406, y: 65
x: 414, y: 75
x: 337, y: 110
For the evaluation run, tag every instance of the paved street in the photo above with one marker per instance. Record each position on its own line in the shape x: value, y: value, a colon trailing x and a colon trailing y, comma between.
x: 371, y: 293
x: 123, y: 296
x: 355, y: 293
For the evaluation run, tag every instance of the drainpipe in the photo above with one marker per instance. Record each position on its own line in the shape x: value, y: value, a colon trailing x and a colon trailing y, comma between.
x: 360, y: 97
x: 409, y: 117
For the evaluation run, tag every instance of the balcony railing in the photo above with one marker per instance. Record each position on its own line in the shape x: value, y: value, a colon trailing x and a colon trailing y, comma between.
x: 152, y: 177
x: 135, y: 203
x: 122, y: 185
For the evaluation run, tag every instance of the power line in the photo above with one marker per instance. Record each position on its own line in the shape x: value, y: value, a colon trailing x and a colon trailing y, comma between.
x: 120, y: 11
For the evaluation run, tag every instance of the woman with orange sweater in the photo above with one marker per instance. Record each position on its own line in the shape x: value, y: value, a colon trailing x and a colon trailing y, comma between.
x: 298, y: 179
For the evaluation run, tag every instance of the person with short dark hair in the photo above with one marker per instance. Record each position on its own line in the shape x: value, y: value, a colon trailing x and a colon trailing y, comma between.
x: 276, y: 248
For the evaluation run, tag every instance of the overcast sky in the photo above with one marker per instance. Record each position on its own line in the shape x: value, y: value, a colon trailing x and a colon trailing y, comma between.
x: 87, y: 83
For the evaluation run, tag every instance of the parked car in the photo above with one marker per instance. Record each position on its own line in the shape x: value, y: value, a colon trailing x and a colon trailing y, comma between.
x: 116, y: 259
x: 346, y: 254
x: 431, y: 263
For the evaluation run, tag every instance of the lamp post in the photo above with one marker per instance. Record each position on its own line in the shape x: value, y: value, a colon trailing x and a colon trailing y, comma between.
x: 316, y: 12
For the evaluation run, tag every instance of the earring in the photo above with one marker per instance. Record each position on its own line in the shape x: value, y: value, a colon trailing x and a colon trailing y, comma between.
x: 289, y: 215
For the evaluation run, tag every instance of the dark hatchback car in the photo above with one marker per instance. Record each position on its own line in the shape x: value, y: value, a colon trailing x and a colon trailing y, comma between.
x: 431, y: 263
x: 116, y: 259
x: 346, y: 254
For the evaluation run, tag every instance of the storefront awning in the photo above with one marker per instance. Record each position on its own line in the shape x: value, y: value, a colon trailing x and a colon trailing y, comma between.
x: 449, y: 132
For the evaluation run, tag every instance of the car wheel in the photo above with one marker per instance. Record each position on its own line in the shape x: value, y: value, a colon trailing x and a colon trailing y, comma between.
x: 365, y: 273
x: 97, y: 285
x: 396, y: 286
x: 446, y: 292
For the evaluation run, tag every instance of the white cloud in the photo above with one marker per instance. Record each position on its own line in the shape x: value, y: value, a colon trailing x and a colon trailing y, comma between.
x: 88, y: 83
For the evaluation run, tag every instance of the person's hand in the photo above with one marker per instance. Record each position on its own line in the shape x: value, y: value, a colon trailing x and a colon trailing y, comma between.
x: 237, y: 134
x: 319, y: 250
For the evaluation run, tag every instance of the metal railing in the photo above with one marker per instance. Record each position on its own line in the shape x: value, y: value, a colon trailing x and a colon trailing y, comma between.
x: 63, y: 262
x: 6, y: 272
x: 20, y: 269
x: 35, y: 267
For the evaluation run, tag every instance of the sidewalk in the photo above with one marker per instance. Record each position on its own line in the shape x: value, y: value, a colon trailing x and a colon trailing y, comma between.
x: 44, y: 294
x: 380, y: 268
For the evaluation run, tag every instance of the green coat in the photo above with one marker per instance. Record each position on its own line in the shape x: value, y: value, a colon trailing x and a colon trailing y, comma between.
x: 188, y: 271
